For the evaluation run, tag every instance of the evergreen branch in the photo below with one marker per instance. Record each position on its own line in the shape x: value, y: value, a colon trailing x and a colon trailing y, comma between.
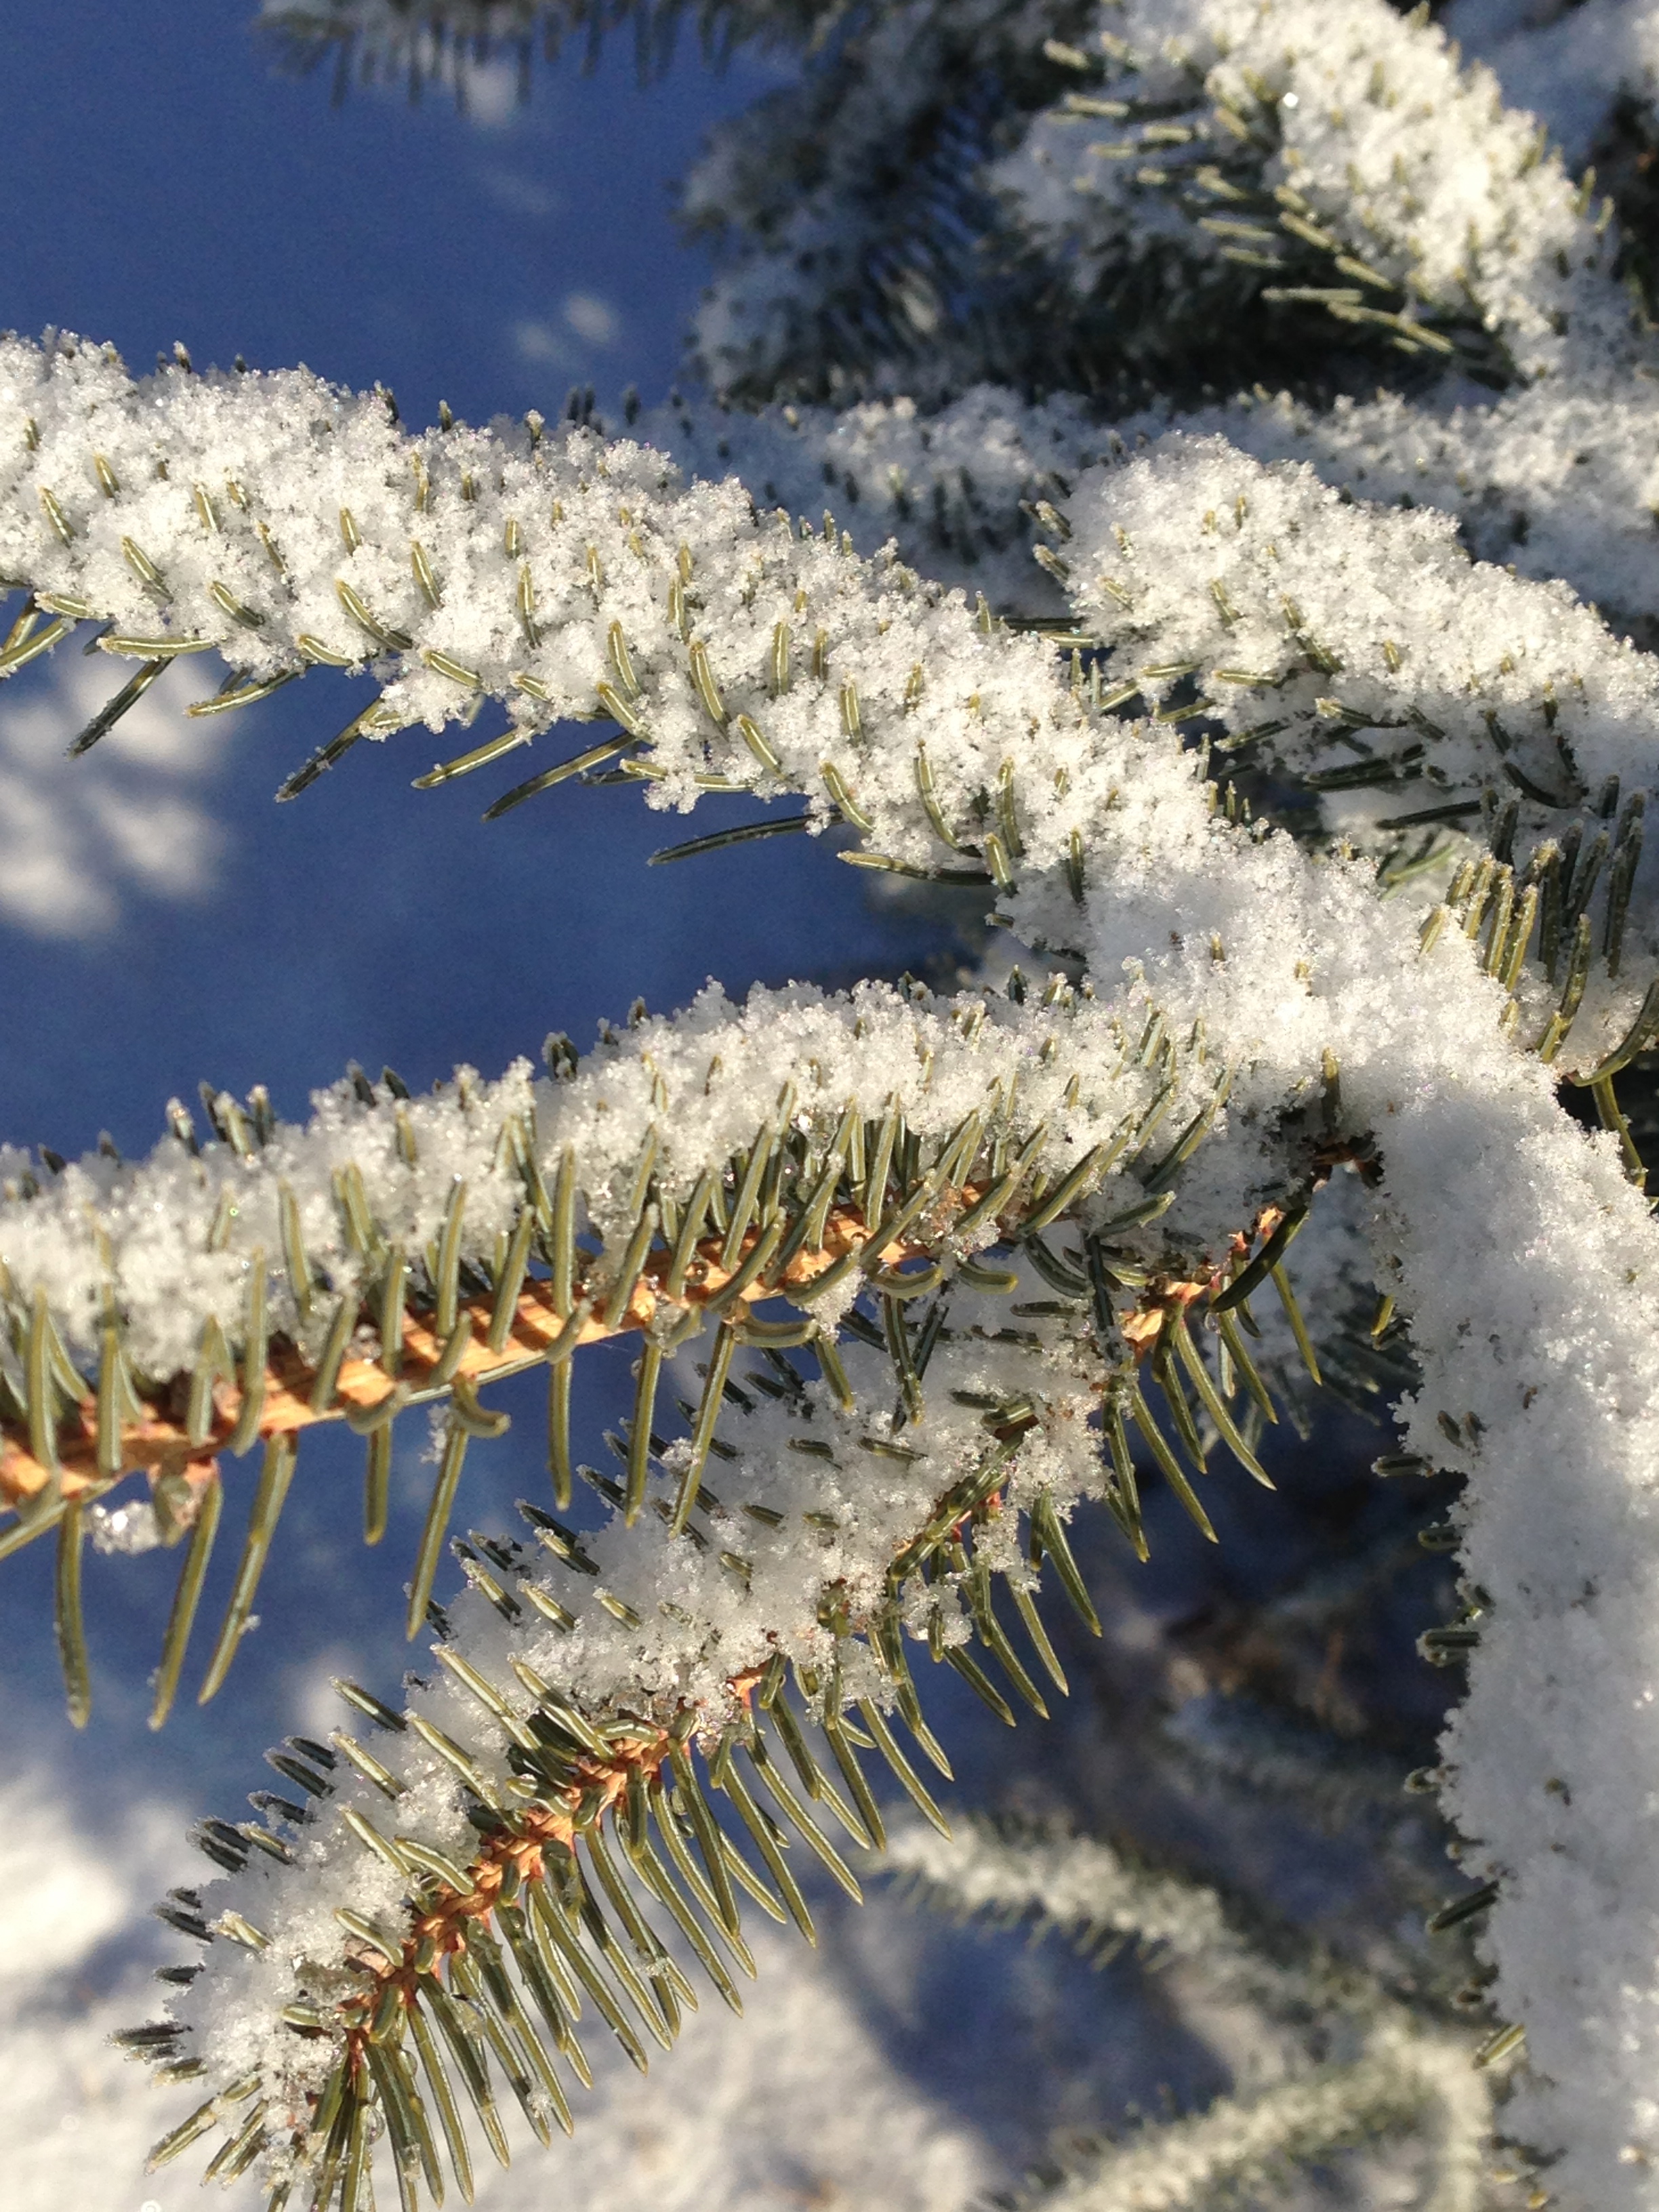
x: 1012, y: 1873
x: 564, y: 580
x: 1227, y: 1741
x: 1012, y: 1247
x: 397, y: 1251
x: 1434, y: 1277
x: 1554, y: 481
x: 1165, y: 213
x: 1359, y: 651
x: 1352, y: 2061
x: 440, y: 41
x: 702, y: 655
x: 1288, y: 970
x: 1349, y: 166
x: 544, y: 1806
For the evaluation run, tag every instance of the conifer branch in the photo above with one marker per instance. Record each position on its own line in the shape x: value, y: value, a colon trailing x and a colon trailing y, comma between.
x: 1097, y: 834
x: 398, y: 1251
x: 1014, y: 1243
x: 1401, y: 2081
x: 1341, y: 2063
x: 1412, y: 695
x: 543, y: 1805
x: 852, y: 215
x: 702, y: 659
x: 443, y: 41
x: 1163, y: 190
x: 1320, y: 174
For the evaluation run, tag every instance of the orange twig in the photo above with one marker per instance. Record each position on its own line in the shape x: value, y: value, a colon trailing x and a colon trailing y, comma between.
x: 160, y: 1443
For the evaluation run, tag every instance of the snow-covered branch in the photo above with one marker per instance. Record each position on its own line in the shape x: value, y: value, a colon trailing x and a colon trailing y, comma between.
x: 801, y: 1147
x: 445, y: 41
x: 1283, y: 727
x: 290, y: 526
x: 1334, y: 2061
x: 1555, y: 481
x: 740, y: 650
x: 1569, y: 66
x: 1301, y: 174
x: 1402, y: 2080
x: 729, y: 648
x: 1360, y: 649
x: 591, y: 1696
x: 1334, y: 157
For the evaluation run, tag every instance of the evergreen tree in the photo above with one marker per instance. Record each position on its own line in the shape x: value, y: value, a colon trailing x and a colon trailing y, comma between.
x: 1238, y: 426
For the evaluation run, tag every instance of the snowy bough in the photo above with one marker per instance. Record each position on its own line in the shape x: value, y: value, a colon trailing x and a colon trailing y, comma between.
x: 1323, y: 840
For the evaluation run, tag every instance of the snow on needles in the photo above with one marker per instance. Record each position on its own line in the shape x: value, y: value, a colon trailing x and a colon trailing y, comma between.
x: 1366, y: 122
x: 1407, y: 677
x: 291, y: 526
x: 1556, y: 479
x: 1322, y: 2053
x: 174, y: 1238
x: 571, y: 576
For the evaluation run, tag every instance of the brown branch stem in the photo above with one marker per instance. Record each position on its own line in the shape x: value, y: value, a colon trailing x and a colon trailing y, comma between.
x: 160, y: 1443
